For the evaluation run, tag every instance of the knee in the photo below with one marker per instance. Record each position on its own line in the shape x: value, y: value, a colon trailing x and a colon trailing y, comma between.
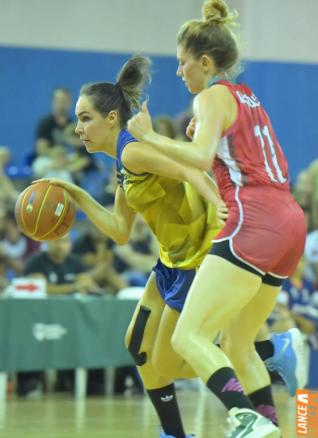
x: 181, y: 342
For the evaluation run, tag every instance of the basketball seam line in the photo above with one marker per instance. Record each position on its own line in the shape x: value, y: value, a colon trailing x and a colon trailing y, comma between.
x: 41, y: 208
x: 22, y: 211
x: 65, y: 194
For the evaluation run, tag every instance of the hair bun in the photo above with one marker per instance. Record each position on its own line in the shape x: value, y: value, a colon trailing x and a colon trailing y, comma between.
x: 216, y: 11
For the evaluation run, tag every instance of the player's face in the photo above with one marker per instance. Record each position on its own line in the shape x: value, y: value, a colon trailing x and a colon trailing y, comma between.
x: 191, y: 71
x: 92, y: 127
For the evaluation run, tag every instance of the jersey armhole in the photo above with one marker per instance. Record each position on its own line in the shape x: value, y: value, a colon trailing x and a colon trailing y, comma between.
x: 128, y: 170
x: 233, y: 127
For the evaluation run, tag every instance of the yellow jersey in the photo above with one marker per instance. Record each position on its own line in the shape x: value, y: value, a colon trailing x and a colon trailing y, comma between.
x: 183, y: 222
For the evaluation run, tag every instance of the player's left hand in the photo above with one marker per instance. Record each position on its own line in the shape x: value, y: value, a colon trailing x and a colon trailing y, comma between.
x: 221, y: 213
x: 74, y: 190
x: 140, y: 125
x: 191, y: 128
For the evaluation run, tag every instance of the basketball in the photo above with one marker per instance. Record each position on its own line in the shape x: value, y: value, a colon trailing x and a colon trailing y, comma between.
x: 44, y: 211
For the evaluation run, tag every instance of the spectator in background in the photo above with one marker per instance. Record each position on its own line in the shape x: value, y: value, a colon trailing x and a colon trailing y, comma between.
x: 311, y: 256
x: 297, y: 304
x: 8, y: 193
x: 15, y: 247
x: 303, y: 192
x: 182, y: 121
x: 94, y: 250
x: 164, y: 125
x: 54, y: 164
x: 306, y: 192
x: 135, y: 259
x: 65, y: 274
x: 63, y: 271
x: 58, y: 129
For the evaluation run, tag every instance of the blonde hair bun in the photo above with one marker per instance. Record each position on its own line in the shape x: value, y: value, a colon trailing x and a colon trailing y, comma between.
x: 216, y: 11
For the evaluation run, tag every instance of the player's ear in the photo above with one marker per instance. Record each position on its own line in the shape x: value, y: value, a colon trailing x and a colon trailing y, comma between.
x: 207, y: 62
x: 112, y: 117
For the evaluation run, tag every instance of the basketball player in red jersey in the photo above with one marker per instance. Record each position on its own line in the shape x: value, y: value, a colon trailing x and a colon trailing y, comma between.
x: 236, y: 287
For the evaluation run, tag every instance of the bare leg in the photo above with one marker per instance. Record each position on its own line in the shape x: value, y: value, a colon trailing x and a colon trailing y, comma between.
x: 239, y: 336
x: 165, y: 359
x: 219, y: 292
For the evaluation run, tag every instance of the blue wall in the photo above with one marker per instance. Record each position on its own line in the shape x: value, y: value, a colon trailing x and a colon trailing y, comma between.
x: 27, y: 77
x: 289, y: 93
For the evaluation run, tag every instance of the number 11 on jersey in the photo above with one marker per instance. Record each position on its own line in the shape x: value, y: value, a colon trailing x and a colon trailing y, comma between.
x: 275, y: 174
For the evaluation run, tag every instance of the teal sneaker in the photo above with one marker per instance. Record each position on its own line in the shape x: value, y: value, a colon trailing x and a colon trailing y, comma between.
x: 288, y: 359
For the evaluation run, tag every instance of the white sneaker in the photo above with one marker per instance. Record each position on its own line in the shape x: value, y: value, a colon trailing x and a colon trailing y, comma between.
x: 250, y: 424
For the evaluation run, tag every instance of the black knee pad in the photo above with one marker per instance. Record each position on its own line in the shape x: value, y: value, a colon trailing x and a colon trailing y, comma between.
x: 137, y: 336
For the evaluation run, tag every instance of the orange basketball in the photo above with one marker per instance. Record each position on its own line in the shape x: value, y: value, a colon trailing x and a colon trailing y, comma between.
x: 44, y: 211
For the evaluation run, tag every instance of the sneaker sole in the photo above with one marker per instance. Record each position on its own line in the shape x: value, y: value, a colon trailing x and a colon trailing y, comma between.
x: 298, y: 346
x: 265, y: 432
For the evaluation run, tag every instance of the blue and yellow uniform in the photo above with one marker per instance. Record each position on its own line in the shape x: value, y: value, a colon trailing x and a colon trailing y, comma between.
x: 182, y: 221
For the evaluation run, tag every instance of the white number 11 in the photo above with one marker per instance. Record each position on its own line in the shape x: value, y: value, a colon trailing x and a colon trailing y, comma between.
x: 261, y: 133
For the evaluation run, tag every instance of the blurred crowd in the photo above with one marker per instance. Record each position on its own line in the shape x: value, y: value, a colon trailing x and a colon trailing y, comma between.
x: 87, y: 262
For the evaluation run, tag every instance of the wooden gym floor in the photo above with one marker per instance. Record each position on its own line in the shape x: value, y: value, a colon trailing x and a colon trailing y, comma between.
x: 57, y: 416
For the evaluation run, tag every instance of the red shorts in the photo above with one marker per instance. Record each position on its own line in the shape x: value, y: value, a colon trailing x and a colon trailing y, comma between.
x: 265, y: 228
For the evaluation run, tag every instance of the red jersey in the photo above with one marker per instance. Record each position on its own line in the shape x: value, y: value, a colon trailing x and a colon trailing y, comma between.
x: 265, y: 226
x: 249, y: 153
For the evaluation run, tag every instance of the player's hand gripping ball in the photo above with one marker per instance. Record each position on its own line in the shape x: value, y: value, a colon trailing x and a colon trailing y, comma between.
x: 45, y: 211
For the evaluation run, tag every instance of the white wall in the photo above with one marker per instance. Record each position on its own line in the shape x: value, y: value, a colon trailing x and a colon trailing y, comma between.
x: 280, y: 29
x: 283, y: 30
x: 108, y: 25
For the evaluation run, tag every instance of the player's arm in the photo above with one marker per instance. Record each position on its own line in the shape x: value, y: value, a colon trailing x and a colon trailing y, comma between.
x: 116, y: 224
x: 213, y: 110
x: 144, y: 158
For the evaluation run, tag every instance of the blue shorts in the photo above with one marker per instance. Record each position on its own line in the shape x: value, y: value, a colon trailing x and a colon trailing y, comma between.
x: 173, y: 284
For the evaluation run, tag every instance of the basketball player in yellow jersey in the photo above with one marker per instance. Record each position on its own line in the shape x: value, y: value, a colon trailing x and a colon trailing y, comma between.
x: 183, y: 222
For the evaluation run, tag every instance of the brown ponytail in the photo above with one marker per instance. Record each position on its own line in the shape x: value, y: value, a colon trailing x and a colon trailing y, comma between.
x: 125, y: 95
